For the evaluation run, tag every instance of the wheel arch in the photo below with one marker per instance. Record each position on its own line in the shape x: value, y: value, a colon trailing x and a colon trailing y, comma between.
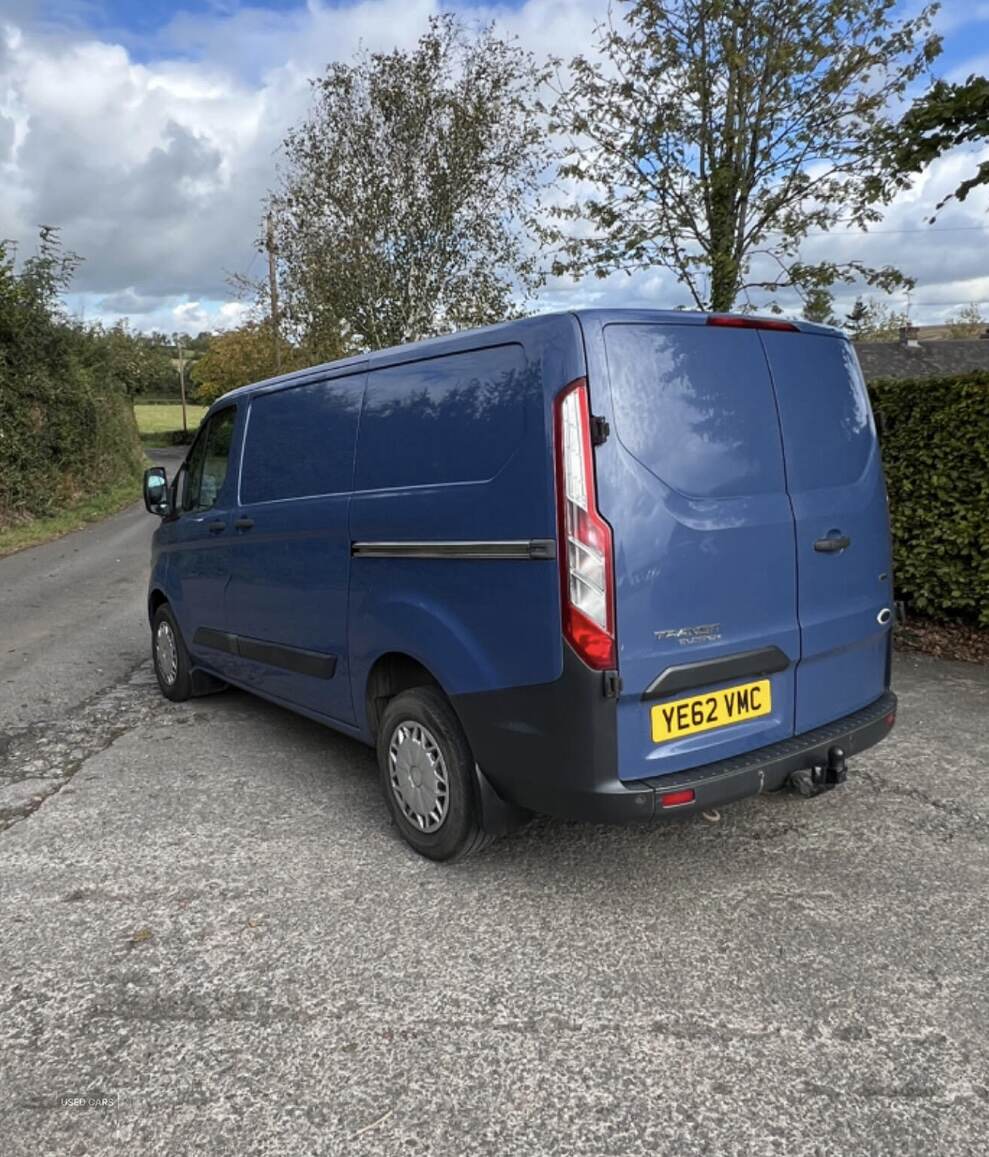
x: 156, y: 597
x: 389, y: 675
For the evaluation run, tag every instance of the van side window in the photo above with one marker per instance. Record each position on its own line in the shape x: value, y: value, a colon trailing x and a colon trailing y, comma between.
x: 300, y: 441
x: 207, y: 463
x: 192, y: 471
x: 451, y: 419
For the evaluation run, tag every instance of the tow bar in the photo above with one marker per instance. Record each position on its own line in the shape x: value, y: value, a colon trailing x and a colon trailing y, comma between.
x: 811, y: 781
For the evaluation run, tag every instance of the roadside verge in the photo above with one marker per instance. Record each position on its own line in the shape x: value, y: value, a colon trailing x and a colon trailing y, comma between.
x: 93, y: 508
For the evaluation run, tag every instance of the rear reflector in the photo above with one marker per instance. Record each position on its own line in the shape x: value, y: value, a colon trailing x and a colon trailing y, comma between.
x: 733, y: 321
x: 586, y: 561
x: 890, y: 719
x: 676, y: 798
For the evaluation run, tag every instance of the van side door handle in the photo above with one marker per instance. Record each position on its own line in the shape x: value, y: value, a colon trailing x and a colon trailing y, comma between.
x: 216, y: 526
x: 833, y: 544
x: 243, y: 523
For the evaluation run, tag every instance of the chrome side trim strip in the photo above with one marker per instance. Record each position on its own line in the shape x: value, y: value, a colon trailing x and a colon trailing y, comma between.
x: 533, y: 548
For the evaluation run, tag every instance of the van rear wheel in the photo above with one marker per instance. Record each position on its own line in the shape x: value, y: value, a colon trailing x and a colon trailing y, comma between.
x: 427, y: 775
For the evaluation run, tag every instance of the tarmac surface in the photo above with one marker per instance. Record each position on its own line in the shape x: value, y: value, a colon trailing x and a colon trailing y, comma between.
x: 73, y: 616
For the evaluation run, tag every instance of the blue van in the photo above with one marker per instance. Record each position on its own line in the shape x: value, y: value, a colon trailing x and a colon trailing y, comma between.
x: 605, y: 565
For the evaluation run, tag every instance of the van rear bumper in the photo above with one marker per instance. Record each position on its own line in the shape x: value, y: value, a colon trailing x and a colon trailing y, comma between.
x: 768, y: 768
x: 552, y: 749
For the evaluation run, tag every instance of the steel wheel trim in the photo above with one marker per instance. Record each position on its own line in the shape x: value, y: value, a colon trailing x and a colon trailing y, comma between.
x: 166, y: 652
x: 418, y: 776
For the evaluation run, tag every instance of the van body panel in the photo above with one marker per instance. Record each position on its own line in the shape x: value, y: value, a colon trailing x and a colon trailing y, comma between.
x: 196, y: 579
x: 711, y: 573
x: 477, y: 624
x: 290, y: 576
x: 440, y: 633
x: 835, y: 481
x: 289, y: 588
x: 194, y: 557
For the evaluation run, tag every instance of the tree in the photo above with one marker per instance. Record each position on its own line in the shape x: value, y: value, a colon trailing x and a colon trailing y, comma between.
x: 858, y: 319
x: 716, y: 134
x: 407, y: 204
x: 874, y: 321
x: 967, y: 321
x: 819, y: 307
x: 946, y: 116
x: 138, y: 363
x: 241, y: 356
x: 33, y: 325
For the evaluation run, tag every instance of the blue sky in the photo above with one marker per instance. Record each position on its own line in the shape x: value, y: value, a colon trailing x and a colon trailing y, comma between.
x: 149, y: 131
x: 140, y: 22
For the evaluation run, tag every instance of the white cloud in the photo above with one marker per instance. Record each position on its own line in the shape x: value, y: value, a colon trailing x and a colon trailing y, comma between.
x: 155, y: 168
x: 232, y: 313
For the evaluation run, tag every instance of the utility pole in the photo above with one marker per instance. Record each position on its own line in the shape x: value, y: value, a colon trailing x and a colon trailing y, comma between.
x: 269, y: 244
x: 185, y: 423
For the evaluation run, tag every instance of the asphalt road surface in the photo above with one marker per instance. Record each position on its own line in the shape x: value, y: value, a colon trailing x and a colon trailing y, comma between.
x: 73, y: 616
x: 212, y: 939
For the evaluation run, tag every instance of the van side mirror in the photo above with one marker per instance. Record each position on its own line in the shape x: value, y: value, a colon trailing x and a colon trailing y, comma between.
x: 156, y: 491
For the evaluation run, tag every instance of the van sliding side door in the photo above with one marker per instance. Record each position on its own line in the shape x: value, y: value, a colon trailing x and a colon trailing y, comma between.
x: 289, y: 587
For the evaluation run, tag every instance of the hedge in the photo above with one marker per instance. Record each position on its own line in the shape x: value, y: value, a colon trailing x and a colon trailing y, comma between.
x: 67, y: 429
x: 935, y: 445
x: 61, y: 438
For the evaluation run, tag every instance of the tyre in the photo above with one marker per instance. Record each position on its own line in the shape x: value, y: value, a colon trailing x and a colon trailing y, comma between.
x: 170, y: 657
x: 427, y: 775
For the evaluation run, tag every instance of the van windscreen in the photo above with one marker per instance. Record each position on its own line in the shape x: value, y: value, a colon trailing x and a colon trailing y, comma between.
x: 694, y: 404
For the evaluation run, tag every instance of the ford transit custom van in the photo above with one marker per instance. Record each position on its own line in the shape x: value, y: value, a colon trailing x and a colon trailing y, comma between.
x: 606, y: 565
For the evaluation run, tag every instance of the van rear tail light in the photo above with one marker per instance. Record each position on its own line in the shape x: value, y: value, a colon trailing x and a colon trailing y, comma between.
x: 586, y: 555
x: 733, y: 321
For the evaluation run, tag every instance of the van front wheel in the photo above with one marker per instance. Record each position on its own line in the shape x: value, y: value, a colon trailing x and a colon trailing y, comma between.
x: 427, y: 775
x: 171, y: 659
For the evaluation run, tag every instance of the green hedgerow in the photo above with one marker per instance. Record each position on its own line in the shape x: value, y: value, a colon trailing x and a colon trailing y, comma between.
x: 935, y: 445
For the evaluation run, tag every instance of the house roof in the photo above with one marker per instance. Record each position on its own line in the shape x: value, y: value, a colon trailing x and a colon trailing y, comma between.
x: 924, y: 359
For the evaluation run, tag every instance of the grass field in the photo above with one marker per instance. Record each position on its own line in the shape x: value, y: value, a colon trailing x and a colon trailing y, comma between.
x: 164, y: 419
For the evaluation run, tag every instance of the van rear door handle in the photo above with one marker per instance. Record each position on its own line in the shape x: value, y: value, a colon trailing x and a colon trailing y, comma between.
x: 216, y: 527
x: 831, y: 545
x: 243, y: 523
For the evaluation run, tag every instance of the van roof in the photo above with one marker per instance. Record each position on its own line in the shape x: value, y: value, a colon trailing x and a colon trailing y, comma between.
x: 502, y: 331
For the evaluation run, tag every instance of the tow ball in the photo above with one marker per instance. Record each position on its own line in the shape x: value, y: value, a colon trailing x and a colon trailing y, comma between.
x: 810, y: 781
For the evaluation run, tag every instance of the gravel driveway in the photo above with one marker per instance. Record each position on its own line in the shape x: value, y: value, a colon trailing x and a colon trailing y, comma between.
x: 212, y: 925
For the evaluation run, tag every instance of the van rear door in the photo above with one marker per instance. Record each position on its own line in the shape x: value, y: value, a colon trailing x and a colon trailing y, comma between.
x: 693, y: 484
x: 835, y: 482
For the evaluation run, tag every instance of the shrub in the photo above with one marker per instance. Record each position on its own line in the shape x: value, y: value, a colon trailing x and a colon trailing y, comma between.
x: 935, y: 444
x: 61, y: 439
x: 66, y: 425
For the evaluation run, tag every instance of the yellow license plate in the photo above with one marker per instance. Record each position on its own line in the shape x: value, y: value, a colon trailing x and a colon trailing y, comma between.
x: 715, y: 709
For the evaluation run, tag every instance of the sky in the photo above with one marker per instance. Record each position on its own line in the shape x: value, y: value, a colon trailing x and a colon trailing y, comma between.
x: 149, y: 132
